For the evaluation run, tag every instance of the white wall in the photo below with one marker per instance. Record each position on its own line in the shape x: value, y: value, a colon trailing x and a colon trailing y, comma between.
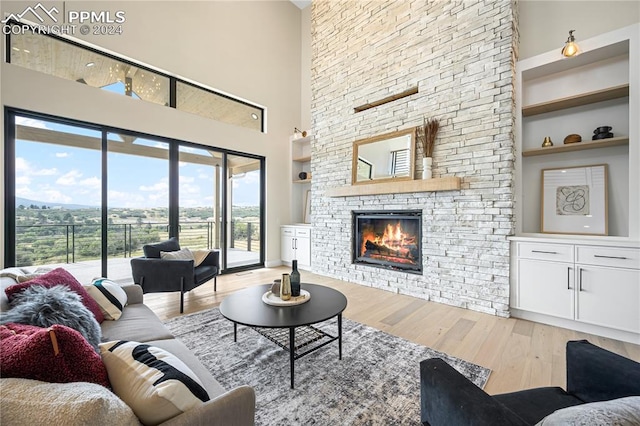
x: 305, y: 38
x: 248, y: 49
x: 545, y: 25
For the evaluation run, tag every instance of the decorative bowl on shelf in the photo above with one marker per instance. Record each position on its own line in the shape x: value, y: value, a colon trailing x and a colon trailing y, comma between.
x: 572, y: 138
x: 602, y: 132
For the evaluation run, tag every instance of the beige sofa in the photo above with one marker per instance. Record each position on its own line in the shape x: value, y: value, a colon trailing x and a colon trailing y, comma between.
x: 138, y: 323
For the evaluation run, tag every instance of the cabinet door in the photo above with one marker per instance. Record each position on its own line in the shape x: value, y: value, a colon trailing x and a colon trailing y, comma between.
x: 546, y: 287
x: 287, y: 236
x: 609, y: 297
x: 303, y: 251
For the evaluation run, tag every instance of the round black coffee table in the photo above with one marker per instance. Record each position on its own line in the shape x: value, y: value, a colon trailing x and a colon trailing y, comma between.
x: 290, y: 327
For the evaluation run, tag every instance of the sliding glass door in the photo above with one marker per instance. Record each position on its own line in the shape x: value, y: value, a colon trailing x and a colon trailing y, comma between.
x: 244, y: 230
x: 137, y: 198
x: 200, y: 199
x: 56, y: 209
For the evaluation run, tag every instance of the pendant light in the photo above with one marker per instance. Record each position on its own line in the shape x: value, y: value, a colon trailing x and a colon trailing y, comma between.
x: 570, y: 48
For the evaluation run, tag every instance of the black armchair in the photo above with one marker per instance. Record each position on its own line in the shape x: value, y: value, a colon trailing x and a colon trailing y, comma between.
x: 593, y: 374
x: 157, y: 275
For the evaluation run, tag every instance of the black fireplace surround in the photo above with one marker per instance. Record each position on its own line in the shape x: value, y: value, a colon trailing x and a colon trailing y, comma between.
x: 388, y: 239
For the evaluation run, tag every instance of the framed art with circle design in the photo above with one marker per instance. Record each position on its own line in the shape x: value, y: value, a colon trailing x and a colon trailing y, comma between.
x: 574, y: 200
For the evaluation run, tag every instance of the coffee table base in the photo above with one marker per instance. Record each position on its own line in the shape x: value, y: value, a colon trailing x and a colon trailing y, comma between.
x: 299, y: 341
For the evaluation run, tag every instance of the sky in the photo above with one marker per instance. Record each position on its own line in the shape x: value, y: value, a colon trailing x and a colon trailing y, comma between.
x: 53, y: 173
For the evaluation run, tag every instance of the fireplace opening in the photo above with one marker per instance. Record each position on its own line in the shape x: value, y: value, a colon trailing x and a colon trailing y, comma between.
x: 388, y: 239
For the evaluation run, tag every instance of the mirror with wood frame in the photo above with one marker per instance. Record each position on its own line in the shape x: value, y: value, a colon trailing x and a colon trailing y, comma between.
x: 385, y: 157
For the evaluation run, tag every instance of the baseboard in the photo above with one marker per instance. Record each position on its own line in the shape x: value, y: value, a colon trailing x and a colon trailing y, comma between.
x: 625, y: 336
x: 273, y: 263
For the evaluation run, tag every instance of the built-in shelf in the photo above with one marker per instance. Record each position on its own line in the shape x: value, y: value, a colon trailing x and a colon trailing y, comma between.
x: 578, y: 146
x: 451, y: 183
x: 578, y: 100
x: 301, y: 140
x: 302, y: 181
x: 302, y: 159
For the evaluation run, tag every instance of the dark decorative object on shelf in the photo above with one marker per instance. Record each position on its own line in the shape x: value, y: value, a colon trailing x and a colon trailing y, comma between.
x: 602, y: 132
x: 303, y: 175
x: 294, y: 278
x: 547, y: 142
x: 572, y: 138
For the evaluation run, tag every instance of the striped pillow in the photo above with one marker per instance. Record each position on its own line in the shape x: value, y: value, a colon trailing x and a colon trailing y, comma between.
x: 152, y: 381
x: 109, y: 295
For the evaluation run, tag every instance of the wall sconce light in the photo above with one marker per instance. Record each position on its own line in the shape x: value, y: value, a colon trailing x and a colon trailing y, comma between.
x: 570, y: 48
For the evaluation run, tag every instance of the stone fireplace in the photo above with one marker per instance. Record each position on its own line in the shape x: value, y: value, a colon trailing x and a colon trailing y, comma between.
x: 461, y: 56
x: 388, y: 239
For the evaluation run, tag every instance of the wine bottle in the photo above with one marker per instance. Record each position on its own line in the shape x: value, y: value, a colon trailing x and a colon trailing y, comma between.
x: 294, y: 277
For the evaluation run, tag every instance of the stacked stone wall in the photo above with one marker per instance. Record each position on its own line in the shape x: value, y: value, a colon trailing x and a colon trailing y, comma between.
x: 461, y: 56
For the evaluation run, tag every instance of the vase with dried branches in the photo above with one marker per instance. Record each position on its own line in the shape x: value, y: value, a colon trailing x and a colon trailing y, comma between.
x: 427, y: 137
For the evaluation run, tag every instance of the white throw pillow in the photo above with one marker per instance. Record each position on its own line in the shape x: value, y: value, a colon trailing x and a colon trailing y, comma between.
x: 109, y: 295
x: 153, y: 382
x: 619, y: 412
x: 182, y: 254
x: 31, y: 402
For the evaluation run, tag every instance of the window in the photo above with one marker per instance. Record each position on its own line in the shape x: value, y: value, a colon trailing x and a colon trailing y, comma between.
x: 400, y: 162
x: 56, y: 57
x: 66, y: 59
x: 212, y: 105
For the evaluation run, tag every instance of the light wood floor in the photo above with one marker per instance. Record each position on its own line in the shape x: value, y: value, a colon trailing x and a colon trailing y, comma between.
x: 521, y: 354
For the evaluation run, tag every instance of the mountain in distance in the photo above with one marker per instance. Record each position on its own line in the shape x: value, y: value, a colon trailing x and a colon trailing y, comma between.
x: 26, y: 202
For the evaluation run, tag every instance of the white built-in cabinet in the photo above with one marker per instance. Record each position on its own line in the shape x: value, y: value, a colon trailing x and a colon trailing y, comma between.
x: 584, y: 282
x: 295, y: 244
x: 588, y: 285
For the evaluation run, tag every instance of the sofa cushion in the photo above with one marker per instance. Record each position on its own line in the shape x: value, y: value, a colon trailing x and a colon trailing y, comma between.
x: 109, y: 295
x: 32, y: 402
x: 621, y: 412
x: 153, y: 250
x: 153, y: 382
x: 56, y: 277
x: 56, y: 354
x: 44, y: 307
x: 137, y: 323
x: 182, y: 254
x: 176, y: 347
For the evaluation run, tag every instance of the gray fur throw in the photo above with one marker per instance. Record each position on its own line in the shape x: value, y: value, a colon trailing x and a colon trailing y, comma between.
x: 44, y: 307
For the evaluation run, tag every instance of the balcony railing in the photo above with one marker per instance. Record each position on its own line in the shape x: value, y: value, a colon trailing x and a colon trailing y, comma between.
x: 69, y: 243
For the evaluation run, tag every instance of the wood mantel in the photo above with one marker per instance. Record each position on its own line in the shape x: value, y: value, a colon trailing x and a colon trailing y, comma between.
x: 419, y: 185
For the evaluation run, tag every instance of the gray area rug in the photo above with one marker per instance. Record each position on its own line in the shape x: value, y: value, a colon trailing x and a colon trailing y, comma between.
x: 377, y: 382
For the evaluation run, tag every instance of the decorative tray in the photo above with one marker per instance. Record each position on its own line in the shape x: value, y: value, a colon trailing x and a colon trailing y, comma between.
x: 274, y: 300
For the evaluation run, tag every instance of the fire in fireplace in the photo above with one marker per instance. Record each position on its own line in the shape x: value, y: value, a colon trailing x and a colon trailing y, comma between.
x: 388, y: 239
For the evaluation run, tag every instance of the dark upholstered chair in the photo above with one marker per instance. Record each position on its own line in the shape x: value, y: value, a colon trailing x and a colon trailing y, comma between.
x: 157, y: 275
x: 593, y: 374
